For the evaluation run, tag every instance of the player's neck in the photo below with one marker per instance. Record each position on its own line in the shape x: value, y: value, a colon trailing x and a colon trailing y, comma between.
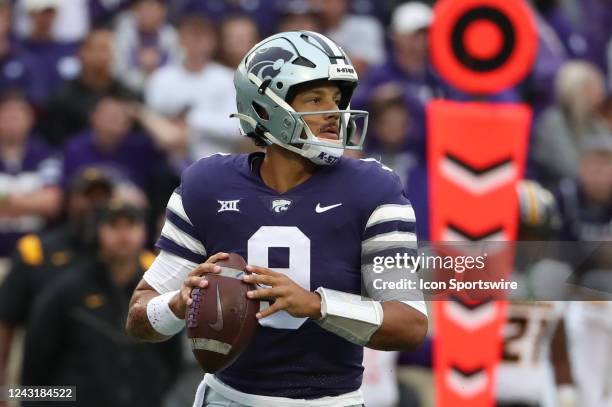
x: 283, y: 170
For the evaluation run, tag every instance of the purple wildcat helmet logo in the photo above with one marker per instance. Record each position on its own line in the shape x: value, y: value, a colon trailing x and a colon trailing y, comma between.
x: 267, y: 63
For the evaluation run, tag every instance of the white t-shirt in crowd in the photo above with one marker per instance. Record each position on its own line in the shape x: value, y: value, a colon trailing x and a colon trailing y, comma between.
x: 361, y: 37
x: 207, y: 95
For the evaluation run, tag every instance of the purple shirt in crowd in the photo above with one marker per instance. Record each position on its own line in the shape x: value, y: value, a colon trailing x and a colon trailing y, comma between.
x: 38, y: 169
x: 596, y: 24
x: 262, y: 11
x: 17, y: 73
x: 134, y: 160
x: 54, y: 63
x: 102, y: 11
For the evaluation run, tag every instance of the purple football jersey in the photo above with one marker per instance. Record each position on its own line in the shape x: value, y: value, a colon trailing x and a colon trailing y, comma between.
x: 314, y: 233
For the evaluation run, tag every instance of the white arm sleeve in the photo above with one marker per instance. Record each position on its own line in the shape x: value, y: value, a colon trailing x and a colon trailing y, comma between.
x: 168, y: 272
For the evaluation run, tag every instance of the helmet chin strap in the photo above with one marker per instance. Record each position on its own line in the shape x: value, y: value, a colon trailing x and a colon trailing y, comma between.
x: 322, y: 155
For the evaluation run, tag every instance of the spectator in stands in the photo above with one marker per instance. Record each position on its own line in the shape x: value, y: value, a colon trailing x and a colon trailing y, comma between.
x: 129, y: 157
x: 595, y: 23
x: 16, y: 67
x: 55, y: 62
x: 609, y: 63
x: 395, y: 141
x: 538, y: 88
x: 29, y: 175
x: 391, y: 125
x: 263, y: 12
x: 586, y: 207
x: 606, y: 111
x: 566, y: 30
x: 560, y: 130
x: 407, y: 62
x: 42, y: 257
x: 103, y: 12
x: 71, y: 23
x: 70, y: 110
x: 297, y: 15
x: 76, y: 332
x: 144, y: 42
x: 170, y: 134
x: 362, y: 37
x: 238, y: 34
x: 202, y: 84
x: 586, y: 199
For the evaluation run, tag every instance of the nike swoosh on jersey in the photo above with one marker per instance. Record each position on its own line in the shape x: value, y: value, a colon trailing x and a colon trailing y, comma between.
x: 218, y: 324
x: 321, y: 209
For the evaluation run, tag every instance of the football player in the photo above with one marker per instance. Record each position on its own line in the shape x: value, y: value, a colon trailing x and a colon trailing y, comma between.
x: 535, y: 367
x: 309, y: 222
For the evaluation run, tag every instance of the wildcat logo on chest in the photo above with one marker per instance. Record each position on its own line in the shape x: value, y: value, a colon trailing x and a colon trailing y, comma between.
x: 280, y: 205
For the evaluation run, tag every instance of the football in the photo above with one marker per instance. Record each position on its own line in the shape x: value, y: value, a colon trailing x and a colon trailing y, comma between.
x: 221, y: 319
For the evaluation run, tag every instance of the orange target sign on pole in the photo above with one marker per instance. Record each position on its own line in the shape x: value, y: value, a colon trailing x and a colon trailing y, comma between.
x: 476, y: 156
x: 483, y: 46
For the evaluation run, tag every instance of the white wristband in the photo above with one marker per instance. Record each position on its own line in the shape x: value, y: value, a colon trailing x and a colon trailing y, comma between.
x: 161, y: 317
x: 349, y: 315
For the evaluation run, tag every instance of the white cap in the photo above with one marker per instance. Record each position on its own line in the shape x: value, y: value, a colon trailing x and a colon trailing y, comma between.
x: 32, y: 6
x: 410, y: 17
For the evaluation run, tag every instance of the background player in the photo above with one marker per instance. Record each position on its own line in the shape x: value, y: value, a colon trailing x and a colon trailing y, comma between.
x: 535, y: 368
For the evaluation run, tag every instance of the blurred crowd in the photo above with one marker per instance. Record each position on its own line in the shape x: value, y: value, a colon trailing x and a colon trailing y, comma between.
x: 103, y: 103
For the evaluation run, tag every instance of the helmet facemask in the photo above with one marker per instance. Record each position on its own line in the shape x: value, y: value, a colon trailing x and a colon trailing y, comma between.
x: 297, y: 136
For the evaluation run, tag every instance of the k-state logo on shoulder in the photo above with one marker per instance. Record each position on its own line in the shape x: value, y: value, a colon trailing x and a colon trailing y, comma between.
x: 228, y: 206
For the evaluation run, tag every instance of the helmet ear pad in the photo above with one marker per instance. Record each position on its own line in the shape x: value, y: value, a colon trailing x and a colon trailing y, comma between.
x: 260, y: 111
x: 284, y: 130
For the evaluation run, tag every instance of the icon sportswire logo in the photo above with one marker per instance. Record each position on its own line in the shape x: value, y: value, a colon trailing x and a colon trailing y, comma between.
x: 218, y: 324
x: 321, y: 209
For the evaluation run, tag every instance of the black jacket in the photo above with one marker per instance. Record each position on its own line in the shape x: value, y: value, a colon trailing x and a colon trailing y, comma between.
x: 76, y: 337
x: 38, y: 260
